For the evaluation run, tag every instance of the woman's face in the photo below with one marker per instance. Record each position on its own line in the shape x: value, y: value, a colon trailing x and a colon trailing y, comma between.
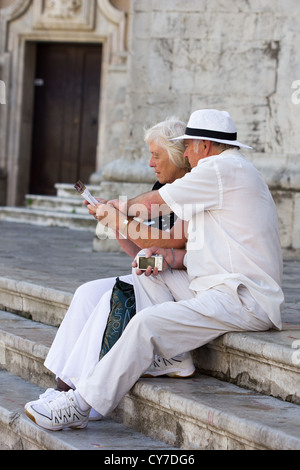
x: 165, y: 170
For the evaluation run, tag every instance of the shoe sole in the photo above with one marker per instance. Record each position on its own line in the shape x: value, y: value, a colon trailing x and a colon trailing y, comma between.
x: 173, y: 375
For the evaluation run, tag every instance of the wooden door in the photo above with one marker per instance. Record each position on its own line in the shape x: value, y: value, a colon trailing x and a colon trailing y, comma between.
x: 65, y: 125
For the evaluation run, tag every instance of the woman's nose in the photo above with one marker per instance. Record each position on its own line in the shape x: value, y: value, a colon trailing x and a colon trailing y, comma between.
x: 151, y: 162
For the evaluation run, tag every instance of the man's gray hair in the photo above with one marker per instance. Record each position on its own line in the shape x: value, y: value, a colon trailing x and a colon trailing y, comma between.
x: 219, y: 145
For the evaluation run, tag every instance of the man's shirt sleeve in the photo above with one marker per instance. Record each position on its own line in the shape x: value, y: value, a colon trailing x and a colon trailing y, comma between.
x: 197, y: 191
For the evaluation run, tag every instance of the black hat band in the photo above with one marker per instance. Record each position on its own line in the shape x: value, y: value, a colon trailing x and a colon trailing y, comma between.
x: 211, y: 134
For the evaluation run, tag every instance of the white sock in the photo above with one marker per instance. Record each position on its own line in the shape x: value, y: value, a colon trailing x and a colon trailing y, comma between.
x: 83, y: 405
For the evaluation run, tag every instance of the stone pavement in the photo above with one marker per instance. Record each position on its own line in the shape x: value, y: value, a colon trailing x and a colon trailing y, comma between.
x: 63, y: 259
x: 55, y: 257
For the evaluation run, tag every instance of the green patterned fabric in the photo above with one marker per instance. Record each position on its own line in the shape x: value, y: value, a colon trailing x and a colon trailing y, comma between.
x: 122, y: 302
x: 122, y: 309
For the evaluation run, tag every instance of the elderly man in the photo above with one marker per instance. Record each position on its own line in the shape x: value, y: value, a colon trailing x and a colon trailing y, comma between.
x: 227, y: 279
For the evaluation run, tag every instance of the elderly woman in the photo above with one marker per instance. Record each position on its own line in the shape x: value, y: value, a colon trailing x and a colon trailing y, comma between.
x: 76, y: 347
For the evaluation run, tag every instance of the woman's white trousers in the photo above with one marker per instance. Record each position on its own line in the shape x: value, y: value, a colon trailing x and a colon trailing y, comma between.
x: 76, y: 347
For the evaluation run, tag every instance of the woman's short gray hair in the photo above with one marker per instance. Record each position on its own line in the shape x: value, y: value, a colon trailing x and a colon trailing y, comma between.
x: 161, y: 134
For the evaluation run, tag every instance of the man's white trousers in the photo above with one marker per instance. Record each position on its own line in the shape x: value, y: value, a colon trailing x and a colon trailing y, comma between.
x: 171, y: 319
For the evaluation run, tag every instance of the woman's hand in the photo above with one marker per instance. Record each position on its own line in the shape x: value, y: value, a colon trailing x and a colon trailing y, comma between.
x: 119, y: 205
x: 92, y: 209
x: 106, y: 214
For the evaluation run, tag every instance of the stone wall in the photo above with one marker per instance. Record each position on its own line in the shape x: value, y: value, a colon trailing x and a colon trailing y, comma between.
x: 238, y: 55
x: 235, y: 54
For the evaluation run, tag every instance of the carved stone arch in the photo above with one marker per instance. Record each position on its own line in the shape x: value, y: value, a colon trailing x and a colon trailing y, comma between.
x: 123, y: 5
x: 14, y: 9
x: 118, y: 37
x: 112, y: 14
x: 9, y: 13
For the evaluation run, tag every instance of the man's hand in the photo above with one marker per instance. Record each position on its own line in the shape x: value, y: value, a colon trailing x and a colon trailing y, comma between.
x: 165, y: 252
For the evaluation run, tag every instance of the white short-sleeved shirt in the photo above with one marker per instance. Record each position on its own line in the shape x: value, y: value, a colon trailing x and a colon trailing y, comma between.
x: 233, y: 235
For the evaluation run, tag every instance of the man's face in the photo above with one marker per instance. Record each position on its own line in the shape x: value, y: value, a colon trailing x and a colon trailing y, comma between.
x: 194, y: 151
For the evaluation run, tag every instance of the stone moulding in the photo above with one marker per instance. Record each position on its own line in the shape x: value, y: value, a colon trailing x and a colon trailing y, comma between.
x: 15, y: 9
x: 69, y: 15
x: 64, y: 15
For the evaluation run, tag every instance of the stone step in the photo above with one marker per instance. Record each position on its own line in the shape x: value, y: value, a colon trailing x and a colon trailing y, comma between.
x: 106, y: 189
x: 48, y: 218
x: 197, y: 413
x: 69, y: 205
x: 48, y: 212
x: 266, y: 362
x: 17, y: 432
x: 24, y: 345
x: 201, y: 412
x: 206, y: 413
x: 65, y: 190
x: 66, y: 209
x: 42, y: 304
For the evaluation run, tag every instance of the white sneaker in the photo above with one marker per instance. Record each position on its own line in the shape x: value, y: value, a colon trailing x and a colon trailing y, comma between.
x: 48, y: 395
x: 51, y: 393
x: 59, y: 413
x: 179, y: 366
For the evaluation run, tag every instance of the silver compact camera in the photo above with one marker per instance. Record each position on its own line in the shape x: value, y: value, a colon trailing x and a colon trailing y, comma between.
x: 155, y: 261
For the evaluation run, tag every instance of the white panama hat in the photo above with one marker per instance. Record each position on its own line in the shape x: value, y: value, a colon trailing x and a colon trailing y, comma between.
x: 211, y: 124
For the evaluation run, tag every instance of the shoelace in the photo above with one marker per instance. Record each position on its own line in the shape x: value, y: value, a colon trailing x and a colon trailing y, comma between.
x: 47, y: 392
x: 60, y: 402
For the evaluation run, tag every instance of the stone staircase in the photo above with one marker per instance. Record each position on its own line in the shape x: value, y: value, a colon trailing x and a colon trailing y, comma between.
x: 202, y: 412
x: 245, y: 395
x: 63, y: 210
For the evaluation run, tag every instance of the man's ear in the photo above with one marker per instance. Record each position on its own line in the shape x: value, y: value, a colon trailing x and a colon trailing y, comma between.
x: 207, y: 145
